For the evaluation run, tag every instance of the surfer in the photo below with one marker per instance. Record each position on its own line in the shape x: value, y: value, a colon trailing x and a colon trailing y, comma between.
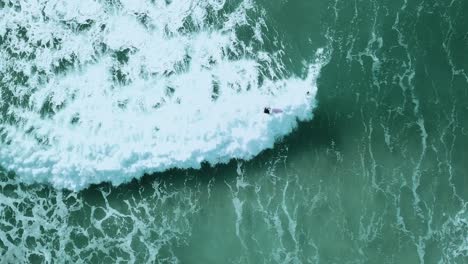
x: 269, y: 110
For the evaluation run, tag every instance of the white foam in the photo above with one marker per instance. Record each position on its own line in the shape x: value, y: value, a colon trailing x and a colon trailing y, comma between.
x: 160, y: 113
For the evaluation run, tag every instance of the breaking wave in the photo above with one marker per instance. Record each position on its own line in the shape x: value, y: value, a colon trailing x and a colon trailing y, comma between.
x: 95, y: 91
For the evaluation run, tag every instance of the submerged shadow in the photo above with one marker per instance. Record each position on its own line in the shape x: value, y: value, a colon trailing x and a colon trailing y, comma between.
x: 317, y: 134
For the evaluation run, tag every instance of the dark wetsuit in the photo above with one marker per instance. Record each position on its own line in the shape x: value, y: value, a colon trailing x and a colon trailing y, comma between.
x: 268, y: 110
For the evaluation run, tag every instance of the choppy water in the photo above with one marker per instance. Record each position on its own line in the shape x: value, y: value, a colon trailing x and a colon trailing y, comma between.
x: 102, y: 92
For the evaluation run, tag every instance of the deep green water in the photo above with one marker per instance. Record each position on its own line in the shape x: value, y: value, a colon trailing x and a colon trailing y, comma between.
x: 380, y: 175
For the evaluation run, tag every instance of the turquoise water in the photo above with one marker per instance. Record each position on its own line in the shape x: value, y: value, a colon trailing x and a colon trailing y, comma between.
x: 379, y: 175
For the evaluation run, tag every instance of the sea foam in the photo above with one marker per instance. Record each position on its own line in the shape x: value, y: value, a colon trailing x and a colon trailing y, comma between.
x: 97, y: 91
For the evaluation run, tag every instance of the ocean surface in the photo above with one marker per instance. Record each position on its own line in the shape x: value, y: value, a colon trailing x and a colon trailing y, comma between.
x: 133, y: 131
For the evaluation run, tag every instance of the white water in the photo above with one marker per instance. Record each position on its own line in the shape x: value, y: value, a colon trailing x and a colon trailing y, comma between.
x: 186, y: 93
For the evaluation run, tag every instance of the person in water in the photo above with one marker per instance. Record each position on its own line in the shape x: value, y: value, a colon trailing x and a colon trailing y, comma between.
x: 269, y: 110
